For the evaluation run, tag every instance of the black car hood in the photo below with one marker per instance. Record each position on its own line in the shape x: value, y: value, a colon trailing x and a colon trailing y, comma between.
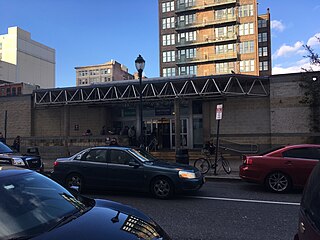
x: 108, y: 220
x: 172, y: 165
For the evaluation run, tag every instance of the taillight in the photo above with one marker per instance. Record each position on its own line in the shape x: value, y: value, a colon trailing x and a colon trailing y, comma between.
x: 55, y: 163
x: 247, y: 160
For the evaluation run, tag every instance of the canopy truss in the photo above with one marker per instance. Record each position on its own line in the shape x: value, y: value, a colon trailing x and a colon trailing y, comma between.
x: 157, y: 89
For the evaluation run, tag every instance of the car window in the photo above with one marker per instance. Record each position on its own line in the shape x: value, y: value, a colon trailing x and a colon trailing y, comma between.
x: 311, y: 197
x: 95, y: 155
x: 308, y: 153
x: 119, y: 157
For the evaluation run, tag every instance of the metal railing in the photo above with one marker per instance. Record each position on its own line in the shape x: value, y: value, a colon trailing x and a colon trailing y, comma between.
x: 207, y: 40
x: 238, y: 148
x: 208, y: 57
x: 203, y: 4
x: 206, y: 22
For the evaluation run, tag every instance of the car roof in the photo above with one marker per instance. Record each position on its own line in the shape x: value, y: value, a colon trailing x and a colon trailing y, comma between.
x: 112, y: 147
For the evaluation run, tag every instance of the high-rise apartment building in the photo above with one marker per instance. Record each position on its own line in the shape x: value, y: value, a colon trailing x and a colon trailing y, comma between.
x: 209, y: 37
x: 109, y: 71
x: 25, y: 60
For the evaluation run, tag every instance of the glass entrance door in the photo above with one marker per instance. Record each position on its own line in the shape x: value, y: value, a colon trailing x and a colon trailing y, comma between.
x: 183, y: 133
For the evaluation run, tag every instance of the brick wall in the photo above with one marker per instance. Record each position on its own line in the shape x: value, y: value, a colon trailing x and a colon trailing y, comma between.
x: 18, y: 115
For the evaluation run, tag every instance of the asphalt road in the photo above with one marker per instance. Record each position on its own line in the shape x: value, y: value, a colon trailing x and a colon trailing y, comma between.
x: 220, y: 210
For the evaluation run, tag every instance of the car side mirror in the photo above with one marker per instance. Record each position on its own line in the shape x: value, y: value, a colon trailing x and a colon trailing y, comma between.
x: 134, y: 164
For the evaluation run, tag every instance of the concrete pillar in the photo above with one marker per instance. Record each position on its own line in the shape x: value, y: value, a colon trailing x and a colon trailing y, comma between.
x: 66, y: 128
x: 177, y: 123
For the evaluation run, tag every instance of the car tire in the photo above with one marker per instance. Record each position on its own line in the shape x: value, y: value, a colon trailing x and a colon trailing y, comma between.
x: 75, y: 180
x: 278, y: 182
x: 162, y: 188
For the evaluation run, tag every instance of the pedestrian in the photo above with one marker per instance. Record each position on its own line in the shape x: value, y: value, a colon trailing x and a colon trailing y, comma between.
x: 16, y: 144
x: 132, y: 136
x: 113, y: 142
x: 2, y: 139
x: 103, y: 131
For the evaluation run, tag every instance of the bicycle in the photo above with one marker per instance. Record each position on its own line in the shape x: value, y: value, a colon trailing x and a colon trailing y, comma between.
x: 208, y: 161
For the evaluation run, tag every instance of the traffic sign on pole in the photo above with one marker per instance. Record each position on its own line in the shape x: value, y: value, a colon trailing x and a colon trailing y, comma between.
x: 219, y: 112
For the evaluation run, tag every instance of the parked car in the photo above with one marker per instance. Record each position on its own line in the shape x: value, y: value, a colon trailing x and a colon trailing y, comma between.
x: 32, y: 162
x: 115, y: 167
x: 36, y: 207
x: 309, y: 214
x: 283, y: 168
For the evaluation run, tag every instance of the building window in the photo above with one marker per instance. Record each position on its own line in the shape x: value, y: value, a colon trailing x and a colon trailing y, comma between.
x: 14, y: 91
x: 188, y: 70
x: 168, y: 56
x: 168, y: 23
x: 8, y: 91
x: 263, y: 51
x: 187, y: 53
x: 19, y: 90
x: 168, y: 6
x: 262, y: 23
x: 168, y: 40
x: 264, y: 66
x: 224, y: 14
x: 246, y: 29
x: 169, y: 72
x: 225, y: 67
x: 263, y: 37
x: 247, y: 47
x: 3, y: 92
x: 227, y: 48
x: 246, y: 10
x: 225, y: 32
x: 247, y: 66
x: 186, y: 20
x: 187, y: 37
x: 187, y: 3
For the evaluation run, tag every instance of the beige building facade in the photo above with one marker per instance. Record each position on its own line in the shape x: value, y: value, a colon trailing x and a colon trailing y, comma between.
x: 25, y: 60
x: 209, y: 37
x: 95, y: 74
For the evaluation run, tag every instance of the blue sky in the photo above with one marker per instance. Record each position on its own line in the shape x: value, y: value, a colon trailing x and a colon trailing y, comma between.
x: 93, y: 32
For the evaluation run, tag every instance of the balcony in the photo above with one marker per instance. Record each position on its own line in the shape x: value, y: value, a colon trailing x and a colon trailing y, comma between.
x: 207, y: 40
x: 207, y: 22
x: 204, y: 4
x: 208, y: 58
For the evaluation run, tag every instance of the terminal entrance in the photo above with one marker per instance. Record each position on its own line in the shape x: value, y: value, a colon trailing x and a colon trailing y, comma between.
x: 163, y: 131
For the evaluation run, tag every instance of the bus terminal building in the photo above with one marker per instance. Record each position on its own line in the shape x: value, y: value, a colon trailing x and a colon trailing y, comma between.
x: 259, y: 111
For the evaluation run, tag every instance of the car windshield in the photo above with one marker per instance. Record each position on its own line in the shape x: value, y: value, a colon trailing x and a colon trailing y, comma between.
x: 142, y: 155
x: 4, y: 148
x: 32, y: 204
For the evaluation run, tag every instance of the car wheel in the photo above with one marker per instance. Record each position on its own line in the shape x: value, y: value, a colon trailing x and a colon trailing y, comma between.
x: 162, y: 188
x: 278, y: 182
x: 75, y: 181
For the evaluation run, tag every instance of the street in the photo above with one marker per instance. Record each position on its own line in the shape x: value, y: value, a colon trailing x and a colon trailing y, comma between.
x: 222, y: 210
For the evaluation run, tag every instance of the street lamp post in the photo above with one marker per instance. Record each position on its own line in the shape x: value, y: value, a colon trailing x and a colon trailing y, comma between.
x: 140, y: 66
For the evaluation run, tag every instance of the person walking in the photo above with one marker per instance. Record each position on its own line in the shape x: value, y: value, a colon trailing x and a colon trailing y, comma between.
x: 132, y: 136
x: 16, y: 144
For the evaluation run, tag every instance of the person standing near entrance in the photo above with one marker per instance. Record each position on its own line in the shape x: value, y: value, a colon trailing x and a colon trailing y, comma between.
x: 132, y: 136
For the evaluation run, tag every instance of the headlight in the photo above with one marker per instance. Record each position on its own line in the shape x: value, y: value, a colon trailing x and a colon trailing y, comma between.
x: 187, y: 175
x: 18, y: 161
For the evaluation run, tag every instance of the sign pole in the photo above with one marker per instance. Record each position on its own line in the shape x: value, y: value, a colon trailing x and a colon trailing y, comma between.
x: 218, y: 118
x: 5, y: 124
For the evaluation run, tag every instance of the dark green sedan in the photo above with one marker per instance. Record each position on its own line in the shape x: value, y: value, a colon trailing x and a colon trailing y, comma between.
x: 125, y: 168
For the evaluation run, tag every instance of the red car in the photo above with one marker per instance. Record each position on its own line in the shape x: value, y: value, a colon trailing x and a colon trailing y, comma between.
x: 283, y: 168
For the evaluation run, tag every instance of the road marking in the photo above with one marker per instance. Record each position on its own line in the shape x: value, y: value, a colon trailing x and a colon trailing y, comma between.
x: 245, y: 200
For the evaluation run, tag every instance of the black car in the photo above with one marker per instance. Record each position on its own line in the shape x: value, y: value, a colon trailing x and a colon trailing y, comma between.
x: 32, y: 162
x: 36, y: 207
x: 309, y: 214
x: 125, y: 168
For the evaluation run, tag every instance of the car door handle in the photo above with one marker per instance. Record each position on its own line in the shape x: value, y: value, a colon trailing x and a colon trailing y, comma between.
x: 288, y: 163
